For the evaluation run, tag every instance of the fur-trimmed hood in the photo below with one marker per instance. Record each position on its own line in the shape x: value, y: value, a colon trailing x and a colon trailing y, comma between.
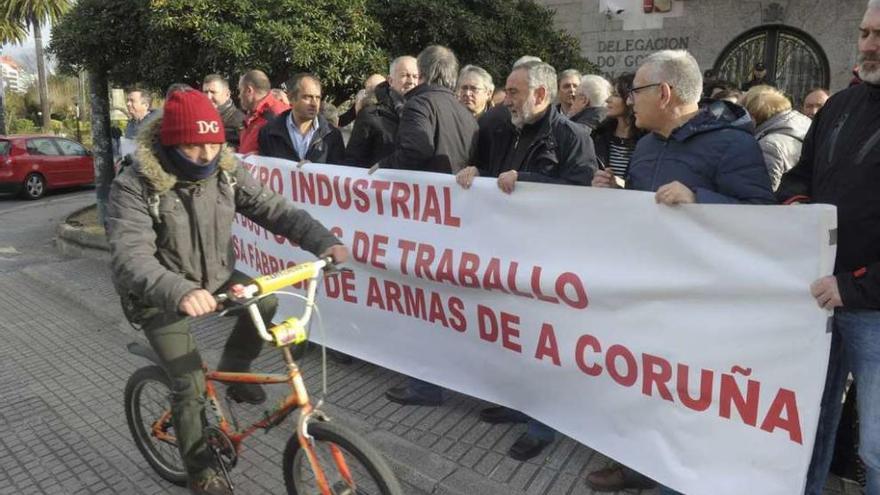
x: 150, y: 155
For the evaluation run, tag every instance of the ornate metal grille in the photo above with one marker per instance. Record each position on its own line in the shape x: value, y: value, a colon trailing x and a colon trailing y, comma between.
x: 793, y: 59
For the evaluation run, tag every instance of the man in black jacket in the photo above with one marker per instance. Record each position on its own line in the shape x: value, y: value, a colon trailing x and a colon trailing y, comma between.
x: 589, y: 101
x: 840, y: 165
x: 302, y: 133
x: 436, y: 132
x: 539, y: 144
x: 217, y: 89
x: 376, y: 124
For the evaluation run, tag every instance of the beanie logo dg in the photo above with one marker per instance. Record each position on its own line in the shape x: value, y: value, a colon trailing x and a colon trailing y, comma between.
x: 206, y: 127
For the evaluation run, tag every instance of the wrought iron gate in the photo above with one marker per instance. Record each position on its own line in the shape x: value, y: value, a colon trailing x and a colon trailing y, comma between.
x: 793, y: 59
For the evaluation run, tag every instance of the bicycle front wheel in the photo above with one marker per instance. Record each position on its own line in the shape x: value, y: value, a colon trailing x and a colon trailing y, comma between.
x: 365, y: 465
x: 148, y: 412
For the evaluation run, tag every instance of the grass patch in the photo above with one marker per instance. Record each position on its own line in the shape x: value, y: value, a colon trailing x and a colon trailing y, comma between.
x: 87, y: 220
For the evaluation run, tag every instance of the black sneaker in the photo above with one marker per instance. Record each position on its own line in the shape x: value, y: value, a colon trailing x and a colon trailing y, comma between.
x: 526, y: 447
x: 250, y: 393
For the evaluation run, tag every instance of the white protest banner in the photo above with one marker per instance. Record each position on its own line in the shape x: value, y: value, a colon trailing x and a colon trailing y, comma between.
x: 681, y: 341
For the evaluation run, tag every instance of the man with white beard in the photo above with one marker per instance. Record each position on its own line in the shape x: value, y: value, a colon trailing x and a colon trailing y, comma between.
x: 539, y: 144
x: 840, y: 165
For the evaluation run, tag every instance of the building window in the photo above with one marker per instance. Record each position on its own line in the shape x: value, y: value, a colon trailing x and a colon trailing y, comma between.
x: 793, y: 59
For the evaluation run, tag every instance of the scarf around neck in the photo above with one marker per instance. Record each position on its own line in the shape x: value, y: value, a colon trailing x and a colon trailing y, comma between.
x: 187, y: 169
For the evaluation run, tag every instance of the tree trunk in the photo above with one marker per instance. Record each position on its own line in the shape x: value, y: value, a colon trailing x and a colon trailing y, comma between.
x: 42, y: 81
x: 102, y: 148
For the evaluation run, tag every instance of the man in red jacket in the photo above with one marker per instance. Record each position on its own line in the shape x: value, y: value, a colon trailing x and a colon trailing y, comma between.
x: 254, y: 92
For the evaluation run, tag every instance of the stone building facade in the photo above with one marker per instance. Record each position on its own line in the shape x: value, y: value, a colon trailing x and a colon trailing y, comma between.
x: 803, y: 43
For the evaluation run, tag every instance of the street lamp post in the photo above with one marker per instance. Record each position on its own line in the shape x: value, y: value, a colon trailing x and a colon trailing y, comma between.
x: 78, y: 132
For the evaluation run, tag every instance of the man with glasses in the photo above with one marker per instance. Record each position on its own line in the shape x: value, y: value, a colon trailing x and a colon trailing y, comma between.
x: 691, y: 155
x: 475, y: 89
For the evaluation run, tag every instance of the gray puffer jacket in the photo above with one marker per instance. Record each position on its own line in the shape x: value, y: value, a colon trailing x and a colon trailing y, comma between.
x: 781, y: 138
x: 169, y: 236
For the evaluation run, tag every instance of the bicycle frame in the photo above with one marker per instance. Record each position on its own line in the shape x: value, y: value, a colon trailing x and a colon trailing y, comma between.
x: 290, y: 332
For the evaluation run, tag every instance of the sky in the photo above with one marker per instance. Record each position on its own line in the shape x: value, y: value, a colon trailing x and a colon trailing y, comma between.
x: 24, y: 53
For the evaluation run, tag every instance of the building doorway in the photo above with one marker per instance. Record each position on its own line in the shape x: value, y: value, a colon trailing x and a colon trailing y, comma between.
x: 792, y: 57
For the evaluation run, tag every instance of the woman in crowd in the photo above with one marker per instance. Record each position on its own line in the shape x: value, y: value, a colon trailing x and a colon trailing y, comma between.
x: 780, y: 130
x: 616, y: 137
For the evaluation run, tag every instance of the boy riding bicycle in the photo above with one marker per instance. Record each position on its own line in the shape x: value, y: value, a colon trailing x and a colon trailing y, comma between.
x: 169, y: 222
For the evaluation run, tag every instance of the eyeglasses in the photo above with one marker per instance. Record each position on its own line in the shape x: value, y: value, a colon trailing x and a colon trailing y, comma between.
x: 471, y: 89
x: 632, y: 92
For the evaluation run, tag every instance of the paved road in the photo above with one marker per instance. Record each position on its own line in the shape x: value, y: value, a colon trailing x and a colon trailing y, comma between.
x: 63, y: 369
x: 28, y: 232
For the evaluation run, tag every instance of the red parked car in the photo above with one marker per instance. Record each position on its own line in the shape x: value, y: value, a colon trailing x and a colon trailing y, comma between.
x: 32, y: 165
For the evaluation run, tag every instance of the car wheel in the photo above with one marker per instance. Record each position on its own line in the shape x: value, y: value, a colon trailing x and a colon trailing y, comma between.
x: 34, y: 186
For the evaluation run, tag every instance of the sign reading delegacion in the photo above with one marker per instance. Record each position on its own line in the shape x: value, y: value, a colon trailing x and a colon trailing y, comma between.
x: 680, y: 341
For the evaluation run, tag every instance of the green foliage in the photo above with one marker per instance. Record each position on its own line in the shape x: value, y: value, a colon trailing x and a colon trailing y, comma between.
x: 104, y: 36
x: 159, y: 42
x: 12, y: 31
x: 21, y: 126
x: 62, y: 96
x: 30, y: 12
x: 22, y: 111
x: 56, y: 126
x: 16, y: 105
x: 488, y: 33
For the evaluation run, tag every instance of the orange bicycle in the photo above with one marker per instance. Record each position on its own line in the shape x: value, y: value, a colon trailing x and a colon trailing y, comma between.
x: 321, y: 457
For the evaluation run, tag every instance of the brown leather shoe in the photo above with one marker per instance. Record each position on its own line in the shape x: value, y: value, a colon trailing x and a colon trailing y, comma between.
x: 618, y: 477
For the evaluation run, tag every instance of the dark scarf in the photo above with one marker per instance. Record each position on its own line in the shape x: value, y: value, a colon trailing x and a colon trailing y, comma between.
x: 187, y: 169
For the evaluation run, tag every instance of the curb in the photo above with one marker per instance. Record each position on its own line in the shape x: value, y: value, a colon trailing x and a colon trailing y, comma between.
x: 75, y: 242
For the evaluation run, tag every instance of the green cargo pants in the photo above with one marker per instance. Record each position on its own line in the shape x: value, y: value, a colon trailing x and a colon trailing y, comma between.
x: 169, y: 335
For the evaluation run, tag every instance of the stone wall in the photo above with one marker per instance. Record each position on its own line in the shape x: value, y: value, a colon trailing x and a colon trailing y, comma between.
x: 616, y: 34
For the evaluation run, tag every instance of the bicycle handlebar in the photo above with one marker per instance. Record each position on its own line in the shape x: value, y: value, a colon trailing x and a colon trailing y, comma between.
x: 293, y: 275
x: 292, y: 330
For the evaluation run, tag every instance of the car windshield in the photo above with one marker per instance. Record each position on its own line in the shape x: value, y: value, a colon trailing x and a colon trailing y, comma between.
x: 4, y: 148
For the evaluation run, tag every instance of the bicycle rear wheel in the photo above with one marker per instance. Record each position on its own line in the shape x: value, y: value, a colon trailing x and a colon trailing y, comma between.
x: 147, y: 410
x: 368, y: 469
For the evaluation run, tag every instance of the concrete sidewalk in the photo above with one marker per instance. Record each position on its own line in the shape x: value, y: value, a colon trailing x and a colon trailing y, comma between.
x: 437, y: 450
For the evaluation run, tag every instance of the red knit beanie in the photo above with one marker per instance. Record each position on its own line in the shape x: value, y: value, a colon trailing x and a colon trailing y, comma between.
x: 189, y: 117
